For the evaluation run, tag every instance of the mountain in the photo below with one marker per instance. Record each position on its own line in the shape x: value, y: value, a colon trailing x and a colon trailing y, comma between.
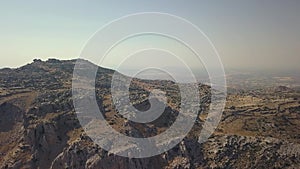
x: 39, y: 127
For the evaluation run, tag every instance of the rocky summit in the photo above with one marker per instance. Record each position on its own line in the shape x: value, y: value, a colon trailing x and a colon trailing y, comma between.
x: 39, y: 127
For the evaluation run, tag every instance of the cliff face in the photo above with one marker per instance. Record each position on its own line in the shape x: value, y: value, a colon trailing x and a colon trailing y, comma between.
x: 39, y: 127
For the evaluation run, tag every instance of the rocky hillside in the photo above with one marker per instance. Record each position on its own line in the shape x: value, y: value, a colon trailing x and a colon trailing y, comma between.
x: 39, y: 127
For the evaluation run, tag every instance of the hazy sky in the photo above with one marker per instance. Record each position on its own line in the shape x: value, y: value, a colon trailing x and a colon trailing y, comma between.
x: 247, y: 34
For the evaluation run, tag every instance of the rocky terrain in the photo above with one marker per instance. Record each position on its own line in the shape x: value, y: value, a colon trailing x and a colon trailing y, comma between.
x: 39, y: 127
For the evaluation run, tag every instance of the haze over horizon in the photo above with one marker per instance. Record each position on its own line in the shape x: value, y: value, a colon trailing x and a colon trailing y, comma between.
x: 247, y: 35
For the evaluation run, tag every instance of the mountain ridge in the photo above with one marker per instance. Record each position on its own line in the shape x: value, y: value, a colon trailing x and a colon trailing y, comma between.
x: 39, y: 127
